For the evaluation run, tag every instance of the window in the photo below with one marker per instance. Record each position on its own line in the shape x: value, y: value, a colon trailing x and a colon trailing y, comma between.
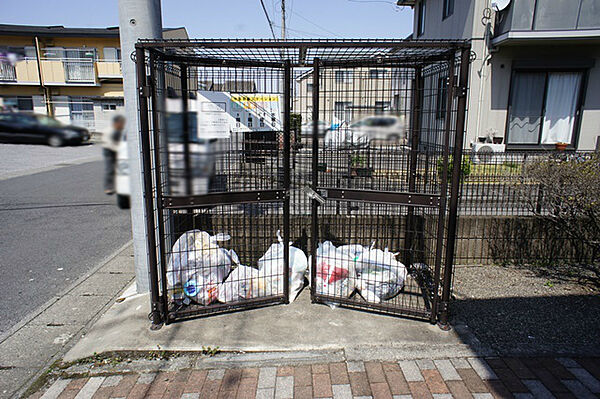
x: 262, y: 122
x: 309, y: 87
x: 343, y: 76
x: 24, y: 104
x: 109, y: 107
x: 448, y: 8
x: 543, y: 107
x: 82, y: 111
x: 249, y: 121
x: 342, y: 111
x: 421, y: 18
x: 112, y: 54
x: 377, y: 73
x: 442, y: 95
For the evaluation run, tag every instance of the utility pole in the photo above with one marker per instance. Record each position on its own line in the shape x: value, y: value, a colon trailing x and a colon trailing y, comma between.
x: 138, y: 19
x: 282, y: 20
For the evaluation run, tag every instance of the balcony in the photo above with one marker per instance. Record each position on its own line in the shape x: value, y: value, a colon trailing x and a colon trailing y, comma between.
x: 526, y: 20
x: 109, y: 69
x: 59, y: 71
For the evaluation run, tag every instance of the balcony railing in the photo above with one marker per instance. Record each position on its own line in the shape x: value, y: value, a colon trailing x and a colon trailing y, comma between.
x: 58, y: 71
x: 7, y: 71
x: 79, y: 70
x: 108, y: 69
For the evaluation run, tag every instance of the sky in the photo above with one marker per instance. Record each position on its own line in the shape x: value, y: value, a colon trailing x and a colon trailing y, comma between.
x: 231, y: 18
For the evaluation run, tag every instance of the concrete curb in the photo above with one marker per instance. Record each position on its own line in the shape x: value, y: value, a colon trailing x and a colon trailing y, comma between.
x: 29, y: 317
x: 79, y: 327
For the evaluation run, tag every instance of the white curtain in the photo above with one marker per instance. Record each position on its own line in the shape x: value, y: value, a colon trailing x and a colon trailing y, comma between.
x: 526, y: 107
x: 561, y: 105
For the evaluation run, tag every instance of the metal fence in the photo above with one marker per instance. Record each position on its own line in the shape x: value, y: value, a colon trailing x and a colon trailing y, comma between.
x: 498, y: 208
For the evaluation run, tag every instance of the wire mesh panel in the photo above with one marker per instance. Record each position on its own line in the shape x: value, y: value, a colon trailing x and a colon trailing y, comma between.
x: 381, y: 142
x: 339, y: 147
x: 221, y: 171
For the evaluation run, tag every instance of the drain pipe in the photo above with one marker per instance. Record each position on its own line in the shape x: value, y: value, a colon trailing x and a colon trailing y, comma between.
x: 49, y: 110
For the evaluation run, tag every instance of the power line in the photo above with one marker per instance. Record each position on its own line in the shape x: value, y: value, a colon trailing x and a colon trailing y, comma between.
x: 318, y: 26
x: 374, y: 1
x: 268, y: 19
x: 299, y: 31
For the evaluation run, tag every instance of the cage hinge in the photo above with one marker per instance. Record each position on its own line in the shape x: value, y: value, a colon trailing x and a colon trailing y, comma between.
x: 442, y: 307
x: 461, y: 91
x: 145, y: 91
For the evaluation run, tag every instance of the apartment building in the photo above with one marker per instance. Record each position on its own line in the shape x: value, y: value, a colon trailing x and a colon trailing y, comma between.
x: 347, y: 95
x: 73, y: 74
x: 535, y: 70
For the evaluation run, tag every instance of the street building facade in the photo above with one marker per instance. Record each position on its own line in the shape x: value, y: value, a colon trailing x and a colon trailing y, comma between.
x: 72, y: 74
x: 535, y: 70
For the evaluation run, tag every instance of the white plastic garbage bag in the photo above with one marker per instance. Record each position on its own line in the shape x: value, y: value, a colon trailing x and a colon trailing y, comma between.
x: 197, y: 265
x: 271, y: 266
x: 242, y: 283
x: 335, y: 271
x: 379, y: 275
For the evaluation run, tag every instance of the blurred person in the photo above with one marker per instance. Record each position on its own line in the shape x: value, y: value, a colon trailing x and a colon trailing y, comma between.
x: 110, y: 145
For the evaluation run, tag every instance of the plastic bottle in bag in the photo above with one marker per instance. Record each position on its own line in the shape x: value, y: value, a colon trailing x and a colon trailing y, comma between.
x: 197, y: 265
x: 379, y: 275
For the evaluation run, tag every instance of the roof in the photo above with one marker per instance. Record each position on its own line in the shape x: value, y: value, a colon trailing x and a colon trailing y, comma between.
x: 61, y: 31
x: 303, y: 52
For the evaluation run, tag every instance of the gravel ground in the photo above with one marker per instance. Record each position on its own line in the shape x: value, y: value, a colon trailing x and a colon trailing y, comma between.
x: 518, y: 313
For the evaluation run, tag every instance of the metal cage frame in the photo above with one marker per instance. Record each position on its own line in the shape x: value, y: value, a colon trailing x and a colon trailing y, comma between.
x: 320, y: 56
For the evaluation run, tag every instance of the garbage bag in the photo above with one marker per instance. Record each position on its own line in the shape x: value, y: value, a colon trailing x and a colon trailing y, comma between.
x: 242, y: 283
x: 271, y: 266
x: 335, y: 272
x: 379, y: 275
x: 197, y: 265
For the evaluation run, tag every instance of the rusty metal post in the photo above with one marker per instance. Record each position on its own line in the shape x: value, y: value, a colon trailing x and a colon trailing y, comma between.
x: 461, y: 92
x: 287, y: 97
x: 314, y: 239
x: 415, y: 137
x: 143, y: 94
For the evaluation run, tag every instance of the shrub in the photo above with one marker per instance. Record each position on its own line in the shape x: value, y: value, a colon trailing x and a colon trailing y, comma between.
x: 465, y: 171
x: 569, y: 199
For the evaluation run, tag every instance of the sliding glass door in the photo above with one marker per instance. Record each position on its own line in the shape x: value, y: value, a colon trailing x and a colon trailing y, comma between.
x: 543, y: 107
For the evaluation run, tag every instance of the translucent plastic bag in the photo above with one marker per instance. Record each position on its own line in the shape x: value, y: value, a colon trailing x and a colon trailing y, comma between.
x: 242, y: 283
x: 197, y: 265
x: 271, y: 266
x: 335, y: 271
x: 379, y: 275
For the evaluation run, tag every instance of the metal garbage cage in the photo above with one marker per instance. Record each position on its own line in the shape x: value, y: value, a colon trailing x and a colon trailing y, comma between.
x: 376, y: 156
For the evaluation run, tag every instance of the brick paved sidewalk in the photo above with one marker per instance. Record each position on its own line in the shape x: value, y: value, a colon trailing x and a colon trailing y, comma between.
x: 444, y: 378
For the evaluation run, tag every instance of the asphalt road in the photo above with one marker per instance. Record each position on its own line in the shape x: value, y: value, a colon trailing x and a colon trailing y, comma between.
x: 55, y: 226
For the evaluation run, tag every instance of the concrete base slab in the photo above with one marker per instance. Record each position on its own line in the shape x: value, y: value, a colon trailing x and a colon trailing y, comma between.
x: 33, y: 345
x: 14, y: 377
x: 300, y: 326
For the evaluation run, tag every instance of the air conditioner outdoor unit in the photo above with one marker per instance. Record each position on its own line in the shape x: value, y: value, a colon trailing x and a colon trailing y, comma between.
x: 488, y: 153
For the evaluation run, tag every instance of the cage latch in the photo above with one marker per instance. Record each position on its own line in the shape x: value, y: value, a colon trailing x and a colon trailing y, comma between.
x: 312, y: 194
x: 145, y: 91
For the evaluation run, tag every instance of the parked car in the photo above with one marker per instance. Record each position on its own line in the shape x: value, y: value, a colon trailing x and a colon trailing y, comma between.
x: 33, y: 128
x: 306, y: 130
x: 384, y: 127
